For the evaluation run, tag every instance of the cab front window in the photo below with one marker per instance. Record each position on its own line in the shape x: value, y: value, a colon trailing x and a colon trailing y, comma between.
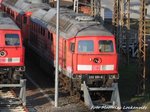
x: 106, y: 46
x: 12, y: 40
x: 85, y: 46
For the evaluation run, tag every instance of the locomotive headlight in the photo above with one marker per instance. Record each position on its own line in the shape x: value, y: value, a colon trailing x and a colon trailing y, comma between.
x: 2, y: 53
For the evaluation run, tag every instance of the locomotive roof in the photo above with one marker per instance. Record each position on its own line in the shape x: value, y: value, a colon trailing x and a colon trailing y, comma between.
x: 71, y: 24
x: 7, y: 23
x: 3, y: 14
x: 21, y: 6
x: 38, y: 15
x: 26, y: 6
x: 11, y: 4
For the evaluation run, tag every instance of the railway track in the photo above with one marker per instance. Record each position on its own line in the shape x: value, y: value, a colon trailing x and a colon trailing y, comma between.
x: 10, y: 103
x: 13, y: 98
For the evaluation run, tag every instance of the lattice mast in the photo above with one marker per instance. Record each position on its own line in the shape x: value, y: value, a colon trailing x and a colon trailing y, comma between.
x: 115, y: 21
x: 124, y: 21
x: 76, y: 6
x: 142, y: 49
x: 95, y: 6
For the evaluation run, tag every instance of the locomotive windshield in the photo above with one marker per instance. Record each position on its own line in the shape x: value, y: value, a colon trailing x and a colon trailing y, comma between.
x: 85, y: 46
x: 12, y: 39
x: 106, y: 46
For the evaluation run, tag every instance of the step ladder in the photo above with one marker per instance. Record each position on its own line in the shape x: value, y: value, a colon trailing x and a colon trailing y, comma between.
x: 115, y: 97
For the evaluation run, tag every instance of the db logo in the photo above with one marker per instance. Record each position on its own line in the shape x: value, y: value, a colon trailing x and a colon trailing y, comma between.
x: 2, y: 53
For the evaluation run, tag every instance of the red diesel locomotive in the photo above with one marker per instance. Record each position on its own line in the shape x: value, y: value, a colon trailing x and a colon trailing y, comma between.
x: 20, y: 11
x: 11, y: 50
x: 87, y: 51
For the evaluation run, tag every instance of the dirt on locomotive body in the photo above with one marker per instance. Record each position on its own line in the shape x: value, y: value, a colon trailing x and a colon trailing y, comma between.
x: 87, y: 51
x: 11, y: 50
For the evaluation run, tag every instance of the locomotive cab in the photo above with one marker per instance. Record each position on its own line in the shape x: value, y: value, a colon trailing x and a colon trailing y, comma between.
x: 95, y: 56
x: 11, y: 52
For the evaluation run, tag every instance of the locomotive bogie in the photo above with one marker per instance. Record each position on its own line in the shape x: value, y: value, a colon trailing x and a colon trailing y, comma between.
x: 11, y: 74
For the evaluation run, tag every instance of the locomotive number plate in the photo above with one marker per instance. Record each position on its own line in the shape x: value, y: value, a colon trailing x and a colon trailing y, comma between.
x: 95, y: 67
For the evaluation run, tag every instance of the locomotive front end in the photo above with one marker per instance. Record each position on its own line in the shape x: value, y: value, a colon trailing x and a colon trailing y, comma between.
x: 96, y: 56
x: 12, y: 52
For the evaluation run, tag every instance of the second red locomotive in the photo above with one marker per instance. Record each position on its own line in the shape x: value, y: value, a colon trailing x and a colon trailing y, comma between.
x: 87, y: 51
x: 11, y: 50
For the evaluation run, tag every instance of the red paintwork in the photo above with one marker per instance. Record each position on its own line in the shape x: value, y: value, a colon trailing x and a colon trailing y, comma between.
x: 85, y: 58
x: 11, y: 51
x: 67, y: 59
x: 1, y: 3
x: 74, y: 59
x: 19, y: 19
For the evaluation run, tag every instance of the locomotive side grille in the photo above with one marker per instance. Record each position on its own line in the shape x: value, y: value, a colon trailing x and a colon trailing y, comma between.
x: 10, y: 60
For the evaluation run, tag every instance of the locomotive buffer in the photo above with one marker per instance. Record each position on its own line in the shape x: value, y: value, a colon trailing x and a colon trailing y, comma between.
x: 114, y: 102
